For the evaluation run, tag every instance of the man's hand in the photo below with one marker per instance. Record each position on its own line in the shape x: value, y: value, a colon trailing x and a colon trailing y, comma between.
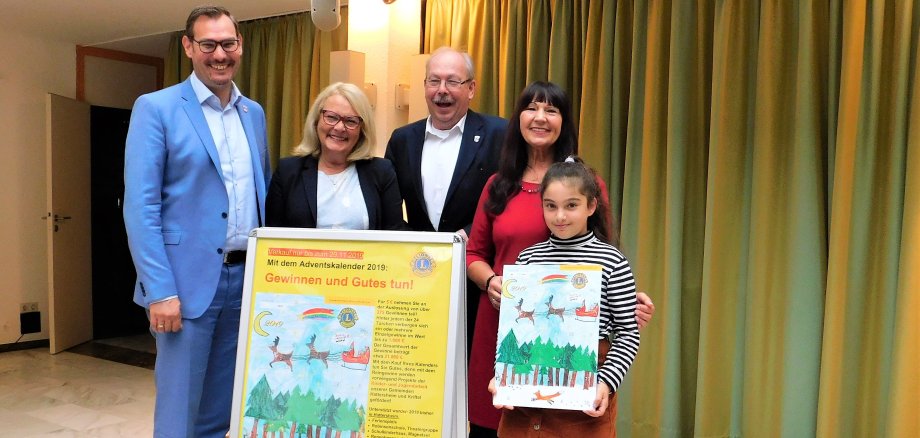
x: 644, y: 309
x: 165, y: 316
x: 462, y: 233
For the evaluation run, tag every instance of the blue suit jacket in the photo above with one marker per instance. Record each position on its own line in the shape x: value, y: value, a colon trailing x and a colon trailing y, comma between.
x: 175, y: 201
x: 483, y: 136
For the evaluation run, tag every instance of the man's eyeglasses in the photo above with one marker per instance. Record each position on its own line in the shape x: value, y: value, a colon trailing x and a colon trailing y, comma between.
x: 209, y: 46
x: 332, y: 119
x: 451, y: 84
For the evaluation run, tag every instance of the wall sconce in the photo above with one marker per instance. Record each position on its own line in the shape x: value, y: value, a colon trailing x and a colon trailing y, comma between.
x: 370, y: 90
x: 348, y: 66
x: 415, y: 92
x: 402, y: 96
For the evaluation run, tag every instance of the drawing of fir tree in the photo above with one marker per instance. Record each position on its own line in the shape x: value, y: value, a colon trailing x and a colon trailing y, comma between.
x: 509, y: 353
x: 260, y: 406
x: 295, y: 413
x: 543, y: 356
x: 586, y: 362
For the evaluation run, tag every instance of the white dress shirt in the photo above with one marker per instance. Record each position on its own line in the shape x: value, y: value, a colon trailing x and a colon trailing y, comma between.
x: 235, y: 163
x: 439, y: 158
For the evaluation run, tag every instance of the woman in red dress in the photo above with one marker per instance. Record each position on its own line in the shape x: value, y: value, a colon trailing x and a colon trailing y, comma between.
x: 508, y: 219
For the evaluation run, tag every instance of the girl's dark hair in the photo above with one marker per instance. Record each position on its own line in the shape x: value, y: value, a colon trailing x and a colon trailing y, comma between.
x: 575, y: 172
x: 514, y: 151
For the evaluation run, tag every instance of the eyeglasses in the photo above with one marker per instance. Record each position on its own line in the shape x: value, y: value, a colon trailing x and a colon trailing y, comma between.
x: 451, y: 84
x: 332, y: 119
x: 209, y: 46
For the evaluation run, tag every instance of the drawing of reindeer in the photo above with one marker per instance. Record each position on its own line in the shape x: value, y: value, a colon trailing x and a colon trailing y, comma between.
x: 522, y: 313
x: 280, y: 357
x: 321, y: 355
x: 554, y: 310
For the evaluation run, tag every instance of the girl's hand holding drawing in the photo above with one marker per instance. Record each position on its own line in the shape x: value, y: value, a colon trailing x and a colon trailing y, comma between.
x: 600, y: 402
x: 492, y: 390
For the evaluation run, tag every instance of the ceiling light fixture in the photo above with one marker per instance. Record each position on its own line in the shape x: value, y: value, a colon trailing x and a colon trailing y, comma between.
x: 325, y: 14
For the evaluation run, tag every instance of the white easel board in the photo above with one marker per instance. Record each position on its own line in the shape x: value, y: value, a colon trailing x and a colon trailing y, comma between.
x: 353, y: 333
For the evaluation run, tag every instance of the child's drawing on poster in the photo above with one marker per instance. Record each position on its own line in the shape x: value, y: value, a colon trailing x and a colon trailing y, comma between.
x: 308, y: 367
x: 546, y: 355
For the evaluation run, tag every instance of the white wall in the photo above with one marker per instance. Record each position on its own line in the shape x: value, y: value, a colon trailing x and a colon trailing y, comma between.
x: 117, y: 84
x: 388, y: 35
x: 31, y: 67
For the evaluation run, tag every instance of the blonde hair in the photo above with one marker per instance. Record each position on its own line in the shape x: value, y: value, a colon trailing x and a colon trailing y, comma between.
x: 364, y: 148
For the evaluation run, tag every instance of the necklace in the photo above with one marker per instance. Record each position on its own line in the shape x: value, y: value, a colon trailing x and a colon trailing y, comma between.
x: 338, y: 182
x: 336, y: 179
x: 534, y: 190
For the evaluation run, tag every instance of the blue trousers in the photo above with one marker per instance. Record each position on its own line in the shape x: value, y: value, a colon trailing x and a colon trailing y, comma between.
x: 195, y: 366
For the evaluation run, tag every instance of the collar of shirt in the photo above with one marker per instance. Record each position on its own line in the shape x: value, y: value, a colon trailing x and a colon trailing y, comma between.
x: 442, y: 133
x: 205, y: 96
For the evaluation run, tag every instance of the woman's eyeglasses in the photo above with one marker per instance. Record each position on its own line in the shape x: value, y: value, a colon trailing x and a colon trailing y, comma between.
x: 332, y: 119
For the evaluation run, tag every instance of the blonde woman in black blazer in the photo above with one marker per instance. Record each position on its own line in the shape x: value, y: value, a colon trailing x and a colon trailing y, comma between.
x: 319, y: 186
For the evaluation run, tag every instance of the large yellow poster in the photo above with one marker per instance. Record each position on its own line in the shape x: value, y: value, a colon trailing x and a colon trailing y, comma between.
x: 345, y: 338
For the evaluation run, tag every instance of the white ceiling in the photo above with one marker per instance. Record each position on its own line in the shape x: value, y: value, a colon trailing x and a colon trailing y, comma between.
x: 136, y: 26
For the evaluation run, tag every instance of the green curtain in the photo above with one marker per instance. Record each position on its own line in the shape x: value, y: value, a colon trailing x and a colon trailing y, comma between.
x: 763, y: 158
x: 285, y: 64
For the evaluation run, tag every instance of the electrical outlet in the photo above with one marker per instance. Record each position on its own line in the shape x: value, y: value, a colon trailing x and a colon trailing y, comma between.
x: 28, y: 307
x: 30, y: 322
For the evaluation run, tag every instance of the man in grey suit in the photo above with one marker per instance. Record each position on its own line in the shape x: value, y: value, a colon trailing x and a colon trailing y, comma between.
x: 196, y: 169
x: 443, y: 161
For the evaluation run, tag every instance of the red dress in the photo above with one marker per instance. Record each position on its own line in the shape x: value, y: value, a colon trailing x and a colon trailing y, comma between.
x: 497, y: 240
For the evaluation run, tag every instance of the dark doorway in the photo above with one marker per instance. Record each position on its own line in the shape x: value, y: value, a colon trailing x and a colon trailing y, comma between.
x: 114, y: 312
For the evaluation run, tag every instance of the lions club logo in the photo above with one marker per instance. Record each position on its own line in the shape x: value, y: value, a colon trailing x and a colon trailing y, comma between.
x: 347, y: 317
x: 579, y: 280
x: 422, y: 264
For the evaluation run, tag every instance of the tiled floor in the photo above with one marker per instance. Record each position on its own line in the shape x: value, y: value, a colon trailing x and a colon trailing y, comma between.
x: 142, y: 342
x: 142, y: 353
x: 73, y: 395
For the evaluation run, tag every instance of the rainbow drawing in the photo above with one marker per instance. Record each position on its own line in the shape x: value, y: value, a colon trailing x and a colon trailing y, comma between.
x: 317, y: 312
x: 555, y: 278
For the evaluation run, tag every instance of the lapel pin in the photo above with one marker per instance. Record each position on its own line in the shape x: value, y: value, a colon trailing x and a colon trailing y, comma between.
x: 245, y: 108
x: 476, y: 139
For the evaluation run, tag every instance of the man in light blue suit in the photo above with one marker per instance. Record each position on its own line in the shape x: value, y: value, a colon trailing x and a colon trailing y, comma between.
x: 196, y: 169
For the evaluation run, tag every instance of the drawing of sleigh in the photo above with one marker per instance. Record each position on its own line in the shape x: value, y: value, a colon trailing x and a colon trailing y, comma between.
x: 354, y: 361
x: 587, y: 315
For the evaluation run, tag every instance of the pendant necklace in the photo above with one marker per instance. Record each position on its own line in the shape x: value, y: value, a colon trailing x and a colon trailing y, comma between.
x: 534, y: 190
x: 336, y: 179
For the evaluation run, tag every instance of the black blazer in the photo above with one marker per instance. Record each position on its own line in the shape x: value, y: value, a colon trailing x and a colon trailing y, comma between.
x: 478, y: 160
x: 291, y: 199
